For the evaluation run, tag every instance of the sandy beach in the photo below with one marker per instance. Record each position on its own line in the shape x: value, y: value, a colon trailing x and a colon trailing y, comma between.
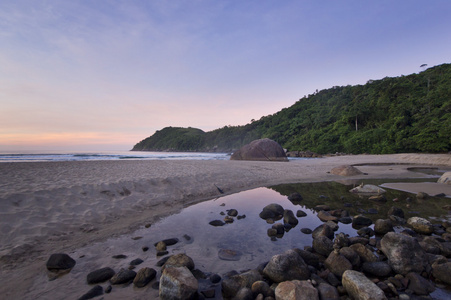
x: 53, y: 207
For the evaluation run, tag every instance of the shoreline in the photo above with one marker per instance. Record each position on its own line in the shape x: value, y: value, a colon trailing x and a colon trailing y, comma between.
x: 52, y: 207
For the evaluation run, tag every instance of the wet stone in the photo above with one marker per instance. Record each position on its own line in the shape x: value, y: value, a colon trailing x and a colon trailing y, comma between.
x: 94, y: 292
x: 306, y: 230
x: 60, y: 261
x: 230, y: 255
x: 136, y: 262
x: 100, y: 275
x: 217, y: 223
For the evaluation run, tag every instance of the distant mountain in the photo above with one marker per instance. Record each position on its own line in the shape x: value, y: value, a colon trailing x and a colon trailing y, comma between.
x: 391, y: 115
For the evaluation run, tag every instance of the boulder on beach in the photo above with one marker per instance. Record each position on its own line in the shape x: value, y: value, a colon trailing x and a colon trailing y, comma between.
x: 272, y: 211
x: 445, y: 178
x: 359, y: 286
x: 346, y: 170
x: 177, y: 283
x: 60, y: 261
x: 287, y: 266
x: 296, y: 289
x: 263, y: 149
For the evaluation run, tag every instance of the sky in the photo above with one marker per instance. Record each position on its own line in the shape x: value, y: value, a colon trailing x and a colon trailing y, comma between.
x: 103, y: 75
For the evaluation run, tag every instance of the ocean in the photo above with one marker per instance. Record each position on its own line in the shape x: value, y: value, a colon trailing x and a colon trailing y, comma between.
x: 108, y: 155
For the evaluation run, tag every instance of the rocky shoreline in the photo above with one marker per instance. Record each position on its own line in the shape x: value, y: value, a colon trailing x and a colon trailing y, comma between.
x: 376, y: 263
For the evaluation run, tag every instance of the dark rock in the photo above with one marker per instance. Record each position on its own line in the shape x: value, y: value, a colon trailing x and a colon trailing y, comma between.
x: 279, y: 227
x: 244, y: 294
x: 100, y: 275
x: 323, y: 230
x: 211, y: 293
x: 177, y: 283
x: 179, y: 260
x: 377, y: 268
x: 359, y: 286
x: 108, y: 289
x: 94, y: 292
x: 358, y: 240
x: 306, y: 230
x: 123, y: 276
x: 215, y: 278
x: 404, y: 253
x: 272, y: 232
x: 232, y: 212
x: 136, y: 262
x: 119, y: 256
x: 419, y: 285
x: 301, y: 213
x: 327, y: 292
x: 323, y: 245
x: 272, y: 211
x: 352, y: 256
x: 232, y: 284
x: 263, y: 149
x: 442, y: 272
x: 162, y: 253
x: 217, y: 223
x: 60, y: 261
x: 365, y: 232
x: 364, y: 253
x: 309, y: 258
x: 144, y: 276
x: 382, y: 226
x: 396, y: 211
x: 360, y: 221
x: 145, y: 248
x: 287, y: 266
x: 169, y: 242
x: 262, y: 287
x: 345, y: 220
x: 337, y: 264
x: 295, y: 197
x: 289, y: 218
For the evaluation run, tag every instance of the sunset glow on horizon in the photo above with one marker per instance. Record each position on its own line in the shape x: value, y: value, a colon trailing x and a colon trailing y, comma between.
x: 105, y: 75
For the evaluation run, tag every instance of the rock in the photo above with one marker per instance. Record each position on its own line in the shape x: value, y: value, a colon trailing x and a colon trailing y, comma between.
x: 232, y: 285
x: 360, y: 287
x: 420, y: 225
x: 341, y: 240
x: 301, y: 213
x: 365, y: 232
x: 442, y: 272
x: 396, y: 211
x: 306, y: 230
x: 327, y: 292
x: 286, y: 266
x: 368, y: 189
x: 136, y: 262
x: 378, y: 198
x: 320, y: 207
x: 364, y: 253
x: 296, y: 290
x: 360, y: 220
x: 377, y: 268
x: 100, y: 275
x: 279, y: 228
x: 177, y: 283
x: 325, y: 216
x: 289, y: 218
x: 272, y: 211
x: 352, y: 256
x: 217, y: 223
x: 346, y: 170
x: 404, y: 253
x: 309, y: 258
x: 94, y: 292
x: 161, y: 246
x: 244, y: 294
x: 263, y: 149
x: 445, y: 178
x: 123, y: 276
x: 262, y: 287
x: 382, y: 226
x: 337, y: 264
x: 230, y: 255
x: 422, y: 195
x: 60, y: 261
x: 295, y: 197
x: 144, y: 276
x: 419, y: 285
x: 323, y: 230
x: 179, y: 260
x: 323, y: 245
x: 232, y: 212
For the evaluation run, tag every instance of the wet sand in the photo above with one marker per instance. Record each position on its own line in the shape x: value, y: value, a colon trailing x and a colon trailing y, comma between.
x: 53, y: 207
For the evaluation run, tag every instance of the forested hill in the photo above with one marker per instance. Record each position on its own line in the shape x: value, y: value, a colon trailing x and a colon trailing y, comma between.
x: 391, y: 115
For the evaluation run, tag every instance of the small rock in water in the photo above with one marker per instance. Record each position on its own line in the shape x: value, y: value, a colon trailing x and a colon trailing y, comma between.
x: 137, y: 238
x: 100, y: 275
x: 228, y: 219
x: 306, y: 230
x: 145, y: 248
x: 217, y: 223
x: 232, y: 212
x: 136, y: 262
x: 241, y: 217
x: 230, y: 255
x: 169, y: 242
x: 301, y: 213
x: 94, y: 292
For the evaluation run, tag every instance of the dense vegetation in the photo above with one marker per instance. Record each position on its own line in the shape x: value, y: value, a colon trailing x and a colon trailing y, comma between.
x: 392, y: 115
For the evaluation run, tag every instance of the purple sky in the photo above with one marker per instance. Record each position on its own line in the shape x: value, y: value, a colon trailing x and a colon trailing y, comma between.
x: 103, y: 75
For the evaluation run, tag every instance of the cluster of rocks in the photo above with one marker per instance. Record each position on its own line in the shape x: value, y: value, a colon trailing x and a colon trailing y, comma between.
x: 229, y: 218
x: 377, y: 263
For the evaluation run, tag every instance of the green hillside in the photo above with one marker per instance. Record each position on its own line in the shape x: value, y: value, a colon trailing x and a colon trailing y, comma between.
x: 391, y: 115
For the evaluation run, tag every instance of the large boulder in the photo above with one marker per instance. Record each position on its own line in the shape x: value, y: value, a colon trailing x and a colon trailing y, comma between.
x: 177, y: 283
x: 404, y: 253
x: 360, y: 287
x: 445, y: 178
x: 263, y: 149
x: 60, y: 261
x: 346, y: 171
x: 287, y: 266
x: 272, y: 211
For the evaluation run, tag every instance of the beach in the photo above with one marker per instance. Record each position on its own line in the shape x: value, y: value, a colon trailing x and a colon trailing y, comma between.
x: 48, y: 207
